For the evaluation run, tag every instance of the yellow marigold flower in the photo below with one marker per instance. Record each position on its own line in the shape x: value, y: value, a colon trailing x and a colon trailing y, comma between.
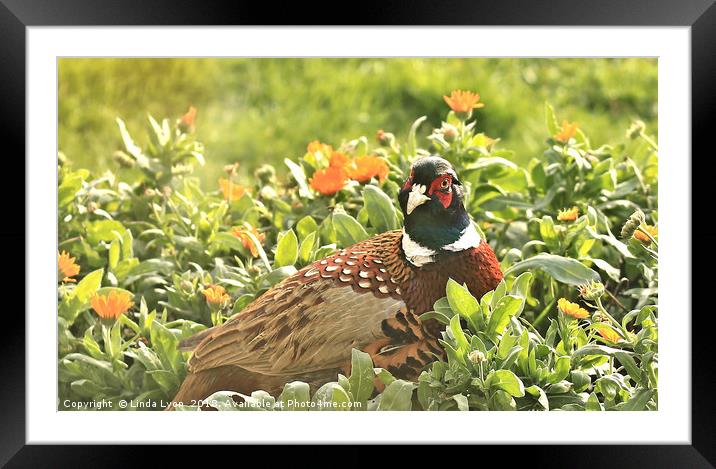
x: 568, y: 131
x: 67, y: 267
x: 572, y: 309
x: 363, y: 168
x: 329, y: 181
x: 186, y: 123
x: 607, y: 333
x: 316, y: 146
x: 338, y: 160
x: 231, y: 190
x: 569, y: 214
x: 242, y: 232
x: 111, y: 305
x: 216, y: 294
x: 463, y: 101
x: 652, y: 230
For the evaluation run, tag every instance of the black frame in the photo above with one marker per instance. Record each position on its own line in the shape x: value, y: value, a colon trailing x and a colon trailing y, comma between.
x: 16, y: 15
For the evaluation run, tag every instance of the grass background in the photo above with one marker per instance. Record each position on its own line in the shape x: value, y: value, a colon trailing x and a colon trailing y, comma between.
x: 263, y: 110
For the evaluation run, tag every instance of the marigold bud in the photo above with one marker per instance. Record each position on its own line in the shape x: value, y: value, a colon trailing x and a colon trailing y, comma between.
x: 636, y: 129
x: 265, y: 173
x: 592, y: 290
x: 476, y: 357
x: 636, y: 219
x: 386, y: 139
x: 449, y: 131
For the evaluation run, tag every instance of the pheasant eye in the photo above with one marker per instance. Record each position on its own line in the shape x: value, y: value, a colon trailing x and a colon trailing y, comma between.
x: 445, y: 183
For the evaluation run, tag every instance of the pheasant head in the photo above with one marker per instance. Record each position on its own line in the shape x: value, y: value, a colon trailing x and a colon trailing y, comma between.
x: 436, y: 221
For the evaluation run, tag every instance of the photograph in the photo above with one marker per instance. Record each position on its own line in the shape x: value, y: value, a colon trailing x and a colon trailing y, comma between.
x: 357, y: 234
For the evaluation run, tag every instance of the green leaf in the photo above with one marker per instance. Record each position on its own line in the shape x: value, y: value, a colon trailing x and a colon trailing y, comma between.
x: 286, y: 249
x: 521, y: 285
x: 306, y: 226
x: 362, y: 376
x: 462, y: 302
x: 549, y: 233
x: 348, y: 230
x: 331, y: 396
x: 561, y: 370
x: 553, y: 126
x: 562, y: 269
x: 397, y: 396
x: 631, y: 367
x: 539, y: 394
x: 295, y: 396
x: 411, y: 144
x: 300, y: 176
x: 308, y: 244
x: 639, y: 400
x: 593, y: 403
x: 88, y: 286
x: 506, y: 308
x: 381, y: 211
x: 506, y: 381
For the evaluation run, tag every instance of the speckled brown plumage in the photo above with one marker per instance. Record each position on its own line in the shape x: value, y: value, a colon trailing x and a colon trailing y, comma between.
x: 366, y: 296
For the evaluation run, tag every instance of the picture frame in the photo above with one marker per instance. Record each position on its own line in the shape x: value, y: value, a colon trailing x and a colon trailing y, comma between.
x: 700, y: 16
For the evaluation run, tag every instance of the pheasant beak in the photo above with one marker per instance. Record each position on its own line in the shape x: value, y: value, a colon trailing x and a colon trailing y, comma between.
x: 416, y: 198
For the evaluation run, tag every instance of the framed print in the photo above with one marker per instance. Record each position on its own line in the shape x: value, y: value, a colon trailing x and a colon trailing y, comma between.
x: 400, y: 233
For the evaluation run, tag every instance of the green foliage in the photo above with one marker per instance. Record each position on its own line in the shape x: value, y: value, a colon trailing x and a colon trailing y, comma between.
x: 150, y: 230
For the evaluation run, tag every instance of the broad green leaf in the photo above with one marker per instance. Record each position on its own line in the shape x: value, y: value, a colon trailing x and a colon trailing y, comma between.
x: 286, y: 249
x: 639, y: 400
x: 305, y: 251
x: 88, y: 286
x: 306, y: 226
x: 295, y: 396
x: 461, y: 301
x: 331, y: 396
x: 506, y: 381
x: 348, y: 230
x: 562, y: 269
x: 362, y: 376
x: 380, y: 208
x: 506, y: 308
x: 398, y: 395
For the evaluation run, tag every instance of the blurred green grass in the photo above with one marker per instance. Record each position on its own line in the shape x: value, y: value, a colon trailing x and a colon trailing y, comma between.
x: 263, y: 110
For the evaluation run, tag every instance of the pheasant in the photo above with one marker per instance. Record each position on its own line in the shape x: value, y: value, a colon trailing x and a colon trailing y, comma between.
x: 366, y: 296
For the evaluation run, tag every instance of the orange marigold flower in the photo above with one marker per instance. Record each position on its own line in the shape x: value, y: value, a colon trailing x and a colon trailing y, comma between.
x: 111, y: 305
x: 572, y: 309
x: 338, y: 160
x: 363, y: 168
x: 67, y: 267
x: 216, y: 294
x: 329, y: 181
x: 607, y: 333
x: 569, y: 214
x: 186, y: 122
x: 231, y: 190
x: 652, y: 230
x: 242, y: 232
x: 316, y: 146
x: 463, y: 101
x: 568, y: 131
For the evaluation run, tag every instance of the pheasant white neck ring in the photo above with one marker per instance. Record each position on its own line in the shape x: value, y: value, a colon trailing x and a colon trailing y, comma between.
x: 419, y: 255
